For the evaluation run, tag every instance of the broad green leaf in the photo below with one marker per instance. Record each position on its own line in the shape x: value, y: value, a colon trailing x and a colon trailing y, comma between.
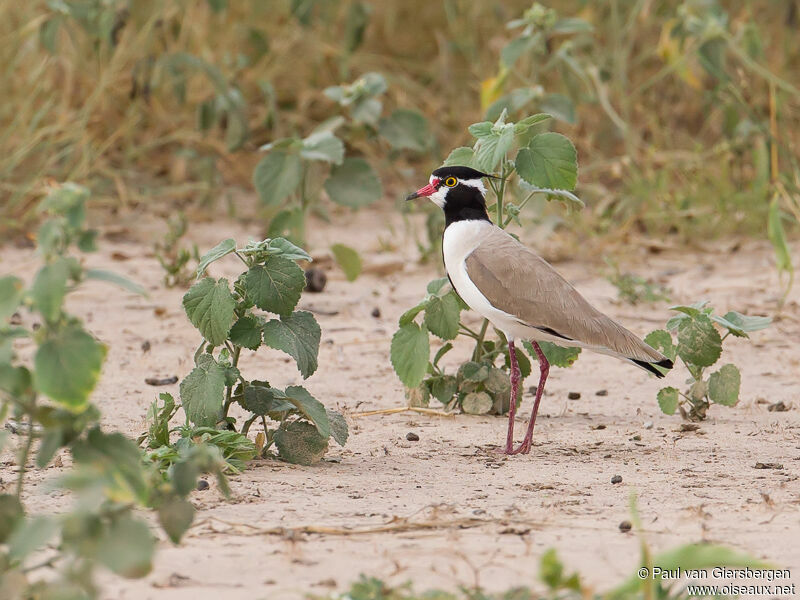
x: 298, y: 335
x: 522, y: 126
x: 740, y: 325
x: 473, y: 371
x: 522, y: 361
x: 276, y: 285
x: 512, y: 51
x: 687, y: 311
x: 67, y: 366
x: 353, y: 184
x: 51, y: 442
x: 210, y: 307
x: 300, y: 443
x: 557, y: 356
x: 29, y: 535
x: 409, y: 355
x: 482, y: 129
x: 551, y: 572
x: 549, y: 161
x: 439, y: 287
x: 477, y: 403
x: 443, y: 388
x: 405, y: 130
x: 116, y: 279
x: 367, y: 110
x: 246, y: 332
x: 202, y: 390
x: 49, y: 288
x: 661, y: 340
x: 16, y: 381
x: 723, y: 385
x: 277, y: 176
x: 408, y: 316
x: 699, y: 341
x: 498, y: 381
x: 11, y: 514
x: 348, y: 259
x: 175, y: 516
x: 442, y: 316
x: 560, y: 107
x: 126, y: 547
x: 311, y: 408
x: 777, y: 235
x: 323, y: 146
x: 224, y: 248
x: 260, y: 399
x: 286, y: 249
x: 668, y: 400
x: 460, y: 157
x: 490, y: 150
x: 571, y: 25
x: 10, y: 295
x: 339, y: 429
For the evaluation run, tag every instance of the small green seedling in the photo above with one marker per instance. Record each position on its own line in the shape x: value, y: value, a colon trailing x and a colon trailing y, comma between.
x: 545, y: 165
x: 173, y: 257
x: 257, y: 310
x: 699, y: 346
x: 634, y: 289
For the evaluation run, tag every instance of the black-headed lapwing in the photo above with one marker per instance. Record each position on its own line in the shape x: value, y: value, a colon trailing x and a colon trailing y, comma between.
x: 518, y: 291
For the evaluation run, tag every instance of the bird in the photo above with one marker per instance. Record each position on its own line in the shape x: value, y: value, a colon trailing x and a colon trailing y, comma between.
x: 519, y: 292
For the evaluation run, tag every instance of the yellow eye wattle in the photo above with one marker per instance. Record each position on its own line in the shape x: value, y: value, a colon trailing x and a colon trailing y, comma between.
x: 451, y: 182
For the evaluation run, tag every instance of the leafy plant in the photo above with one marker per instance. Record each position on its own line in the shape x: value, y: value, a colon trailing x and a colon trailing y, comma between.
x: 699, y: 346
x: 48, y: 398
x: 546, y: 165
x: 633, y: 288
x: 174, y: 258
x: 232, y: 319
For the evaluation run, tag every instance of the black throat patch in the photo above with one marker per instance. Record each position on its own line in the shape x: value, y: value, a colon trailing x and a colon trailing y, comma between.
x: 464, y: 203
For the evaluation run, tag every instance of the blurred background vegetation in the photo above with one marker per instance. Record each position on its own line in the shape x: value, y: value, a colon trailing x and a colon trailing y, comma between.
x: 685, y: 113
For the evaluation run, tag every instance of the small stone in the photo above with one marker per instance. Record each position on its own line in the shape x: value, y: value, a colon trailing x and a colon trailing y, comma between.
x: 625, y: 526
x: 768, y: 465
x: 146, y: 346
x: 376, y: 312
x: 412, y: 437
x: 601, y: 393
x: 648, y: 425
x: 574, y: 395
x: 202, y: 485
x: 315, y: 280
x: 596, y: 427
x: 778, y: 407
x: 637, y: 438
x: 616, y: 479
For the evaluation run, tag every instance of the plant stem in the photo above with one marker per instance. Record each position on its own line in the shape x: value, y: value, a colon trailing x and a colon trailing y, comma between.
x: 248, y: 423
x: 26, y: 450
x: 237, y: 350
x: 476, y: 356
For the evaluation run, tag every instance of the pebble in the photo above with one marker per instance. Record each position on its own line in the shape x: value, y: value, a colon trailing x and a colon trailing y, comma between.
x: 778, y: 407
x: 616, y: 479
x: 376, y: 312
x: 601, y: 393
x: 574, y: 395
x: 625, y: 526
x: 412, y: 437
x: 202, y: 485
x: 315, y: 280
x: 648, y: 425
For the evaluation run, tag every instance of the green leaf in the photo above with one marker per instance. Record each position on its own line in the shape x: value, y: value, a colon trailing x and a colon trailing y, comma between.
x: 202, y: 390
x: 477, y: 403
x: 11, y: 514
x: 549, y: 161
x: 224, y: 248
x: 408, y: 316
x: 777, y: 236
x: 444, y: 388
x: 16, y: 381
x: 409, y: 354
x: 115, y: 279
x: 49, y: 288
x: 51, y: 442
x: 259, y: 398
x: 300, y: 443
x: 339, y: 429
x: 284, y: 248
x: 740, y: 325
x: 10, y: 295
x: 522, y: 126
x: 512, y: 51
x: 353, y: 184
x: 699, y: 341
x: 276, y: 285
x: 668, y: 400
x: 442, y: 316
x: 246, y: 332
x: 29, y: 535
x: 661, y: 340
x: 210, y: 307
x: 176, y: 516
x: 498, y: 381
x: 310, y: 407
x: 473, y: 371
x: 490, y: 150
x: 126, y: 547
x: 560, y: 106
x: 460, y: 157
x: 323, y: 146
x: 297, y: 335
x: 277, y: 176
x: 723, y: 385
x: 67, y: 366
x: 405, y: 130
x: 558, y: 356
x: 348, y: 259
x: 480, y: 130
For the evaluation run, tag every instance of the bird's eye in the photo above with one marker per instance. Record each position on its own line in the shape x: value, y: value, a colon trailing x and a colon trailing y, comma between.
x: 451, y: 182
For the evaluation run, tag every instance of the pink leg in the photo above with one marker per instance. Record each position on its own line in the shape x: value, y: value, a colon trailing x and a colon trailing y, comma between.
x: 544, y: 369
x: 512, y: 410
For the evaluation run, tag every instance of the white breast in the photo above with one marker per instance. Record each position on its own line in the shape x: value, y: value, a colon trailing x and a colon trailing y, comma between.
x: 460, y: 240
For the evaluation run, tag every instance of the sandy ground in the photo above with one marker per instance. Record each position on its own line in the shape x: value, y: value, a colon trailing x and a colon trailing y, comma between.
x: 458, y: 514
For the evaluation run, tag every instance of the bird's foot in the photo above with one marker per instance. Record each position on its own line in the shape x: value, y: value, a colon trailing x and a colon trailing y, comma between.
x: 524, y: 447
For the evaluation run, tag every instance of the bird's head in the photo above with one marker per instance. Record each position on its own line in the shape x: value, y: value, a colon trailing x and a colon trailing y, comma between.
x: 454, y: 187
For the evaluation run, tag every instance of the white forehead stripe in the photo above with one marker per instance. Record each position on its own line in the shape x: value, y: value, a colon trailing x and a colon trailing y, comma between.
x: 476, y: 183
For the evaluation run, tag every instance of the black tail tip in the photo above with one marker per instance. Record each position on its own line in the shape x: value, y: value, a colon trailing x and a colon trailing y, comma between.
x: 664, y: 364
